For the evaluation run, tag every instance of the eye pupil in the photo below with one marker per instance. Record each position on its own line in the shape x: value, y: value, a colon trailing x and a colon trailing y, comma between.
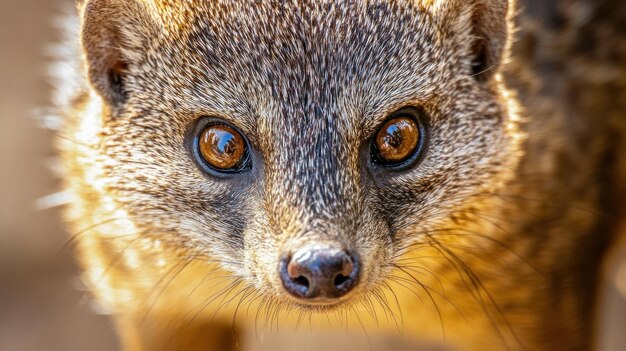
x: 394, y: 137
x: 397, y: 140
x: 222, y: 147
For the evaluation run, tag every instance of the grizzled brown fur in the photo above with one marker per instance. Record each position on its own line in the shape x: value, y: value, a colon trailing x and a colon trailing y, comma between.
x: 481, y: 245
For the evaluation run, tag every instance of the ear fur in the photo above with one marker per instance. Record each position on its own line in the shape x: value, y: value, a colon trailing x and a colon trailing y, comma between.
x: 115, y: 34
x: 481, y: 31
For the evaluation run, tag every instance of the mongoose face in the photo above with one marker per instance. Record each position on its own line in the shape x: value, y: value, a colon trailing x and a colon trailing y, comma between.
x: 306, y: 147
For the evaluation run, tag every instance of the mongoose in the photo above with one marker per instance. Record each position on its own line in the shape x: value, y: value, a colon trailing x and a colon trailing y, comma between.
x: 323, y: 165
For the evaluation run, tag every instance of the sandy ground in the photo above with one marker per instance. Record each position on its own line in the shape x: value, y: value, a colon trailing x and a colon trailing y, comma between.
x: 41, y: 305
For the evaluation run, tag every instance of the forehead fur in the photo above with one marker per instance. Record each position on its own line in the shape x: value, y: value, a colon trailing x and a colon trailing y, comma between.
x: 243, y: 55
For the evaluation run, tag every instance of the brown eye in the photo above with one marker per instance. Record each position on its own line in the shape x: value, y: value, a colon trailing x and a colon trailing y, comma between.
x: 222, y: 147
x: 398, y: 140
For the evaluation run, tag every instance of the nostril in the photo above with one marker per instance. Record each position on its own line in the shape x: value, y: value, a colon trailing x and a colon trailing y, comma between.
x: 302, y: 281
x: 340, y: 279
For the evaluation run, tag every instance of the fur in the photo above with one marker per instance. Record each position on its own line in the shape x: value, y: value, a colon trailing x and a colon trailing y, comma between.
x: 463, y: 248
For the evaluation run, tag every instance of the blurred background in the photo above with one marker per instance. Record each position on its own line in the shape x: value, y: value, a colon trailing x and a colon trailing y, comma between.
x: 42, y: 304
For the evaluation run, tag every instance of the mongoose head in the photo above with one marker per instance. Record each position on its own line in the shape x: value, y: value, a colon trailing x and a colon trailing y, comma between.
x: 306, y: 146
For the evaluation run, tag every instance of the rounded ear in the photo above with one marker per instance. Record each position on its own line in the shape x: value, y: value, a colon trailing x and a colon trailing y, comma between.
x: 115, y: 35
x: 481, y: 31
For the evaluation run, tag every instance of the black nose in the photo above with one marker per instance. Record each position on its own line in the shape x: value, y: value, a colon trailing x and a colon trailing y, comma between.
x: 319, y: 273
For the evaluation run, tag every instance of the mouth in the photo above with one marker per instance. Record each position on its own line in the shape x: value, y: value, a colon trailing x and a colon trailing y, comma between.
x: 320, y: 304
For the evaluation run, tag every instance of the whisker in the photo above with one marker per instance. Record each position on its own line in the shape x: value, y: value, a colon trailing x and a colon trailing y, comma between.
x: 367, y: 336
x: 248, y: 292
x: 213, y: 297
x: 397, y: 306
x: 81, y: 232
x: 478, y: 289
x: 380, y: 296
x: 177, y: 271
x: 224, y: 303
